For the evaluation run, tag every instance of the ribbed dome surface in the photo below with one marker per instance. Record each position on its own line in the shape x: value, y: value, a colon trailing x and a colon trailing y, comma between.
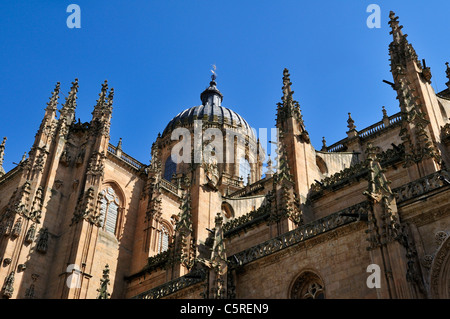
x: 211, y: 114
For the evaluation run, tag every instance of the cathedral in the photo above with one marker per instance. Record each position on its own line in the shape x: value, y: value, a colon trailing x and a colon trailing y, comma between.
x: 213, y: 216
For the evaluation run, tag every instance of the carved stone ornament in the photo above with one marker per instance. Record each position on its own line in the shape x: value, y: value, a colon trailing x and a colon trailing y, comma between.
x: 8, y: 286
x: 104, y: 282
x: 88, y: 208
x: 17, y: 228
x: 29, y: 293
x: 96, y: 165
x: 427, y: 260
x: 440, y: 237
x: 7, y: 261
x: 31, y: 233
x: 42, y: 244
x: 211, y: 173
x: 65, y: 158
x: 40, y: 162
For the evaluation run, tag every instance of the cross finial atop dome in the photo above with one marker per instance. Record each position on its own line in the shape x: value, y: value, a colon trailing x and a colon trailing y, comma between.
x: 214, y: 74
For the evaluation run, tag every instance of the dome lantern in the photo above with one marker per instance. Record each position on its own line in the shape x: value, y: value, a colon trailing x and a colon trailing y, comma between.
x: 212, y: 96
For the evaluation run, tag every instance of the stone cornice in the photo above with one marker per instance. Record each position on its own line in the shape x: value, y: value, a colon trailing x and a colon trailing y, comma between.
x: 421, y: 186
x: 125, y: 158
x: 425, y: 218
x: 173, y: 286
x: 368, y: 133
x: 298, y: 235
x: 355, y: 173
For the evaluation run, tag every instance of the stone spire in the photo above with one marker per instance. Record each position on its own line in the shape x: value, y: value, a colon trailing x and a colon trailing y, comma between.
x: 351, y: 123
x: 385, y: 115
x: 283, y: 171
x: 184, y: 233
x: 290, y: 108
x: 104, y: 282
x: 287, y: 90
x: 396, y: 32
x: 53, y: 103
x: 101, y: 116
x: 379, y: 191
x: 109, y: 104
x: 184, y: 223
x: 46, y: 130
x: 378, y: 184
x: 324, y: 145
x: 24, y: 157
x: 68, y: 109
x: 218, y: 254
x: 212, y: 96
x: 155, y: 162
x: 101, y: 102
x: 385, y: 119
x: 352, y: 132
x: 401, y: 51
x: 417, y: 101
x: 2, y: 155
x: 448, y: 74
x: 286, y: 201
x: 218, y: 262
x: 386, y: 234
x: 269, y: 171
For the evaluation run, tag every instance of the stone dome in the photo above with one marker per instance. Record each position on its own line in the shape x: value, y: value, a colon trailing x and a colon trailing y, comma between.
x: 212, y: 112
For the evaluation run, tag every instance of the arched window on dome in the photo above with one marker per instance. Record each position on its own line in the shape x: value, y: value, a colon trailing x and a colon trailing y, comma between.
x: 110, y: 207
x: 244, y: 169
x: 170, y: 168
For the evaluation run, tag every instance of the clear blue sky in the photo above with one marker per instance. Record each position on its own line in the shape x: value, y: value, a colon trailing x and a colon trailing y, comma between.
x: 158, y: 54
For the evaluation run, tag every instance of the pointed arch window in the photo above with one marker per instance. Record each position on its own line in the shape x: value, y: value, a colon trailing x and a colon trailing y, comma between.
x: 163, y: 242
x: 308, y: 286
x: 170, y: 168
x: 110, y: 205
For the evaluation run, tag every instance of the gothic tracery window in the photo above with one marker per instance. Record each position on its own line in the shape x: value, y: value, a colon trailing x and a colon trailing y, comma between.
x: 163, y: 242
x: 308, y: 286
x: 110, y: 209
